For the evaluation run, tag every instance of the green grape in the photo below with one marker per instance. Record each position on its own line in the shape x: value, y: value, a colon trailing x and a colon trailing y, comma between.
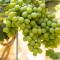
x: 20, y: 2
x: 58, y: 24
x: 28, y: 26
x: 54, y: 25
x: 23, y: 8
x: 49, y: 23
x: 6, y: 30
x: 17, y: 7
x: 43, y: 24
x: 35, y: 9
x: 14, y: 18
x: 8, y: 23
x: 24, y: 14
x: 43, y: 30
x: 50, y: 52
x: 12, y: 14
x: 29, y: 10
x: 27, y: 21
x: 39, y: 50
x: 45, y: 19
x: 32, y: 23
x: 11, y: 10
x: 46, y: 36
x: 36, y: 22
x: 39, y: 9
x: 57, y: 30
x: 30, y: 48
x: 26, y: 31
x: 38, y: 15
x: 28, y: 38
x: 31, y: 34
x: 34, y: 30
x: 34, y: 15
x: 52, y: 30
x: 35, y: 51
x: 39, y: 31
x: 11, y: 5
x: 51, y: 37
x: 22, y: 26
x: 21, y: 20
x: 29, y: 17
x: 36, y: 45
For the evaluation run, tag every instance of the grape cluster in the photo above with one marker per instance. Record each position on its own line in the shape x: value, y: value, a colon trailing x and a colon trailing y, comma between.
x: 38, y: 25
x: 53, y: 55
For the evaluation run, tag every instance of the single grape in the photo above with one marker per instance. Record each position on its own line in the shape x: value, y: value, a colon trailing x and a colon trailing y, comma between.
x: 24, y: 14
x: 32, y: 23
x: 22, y: 26
x: 20, y: 2
x: 26, y: 31
x: 27, y: 21
x: 43, y: 30
x: 15, y: 18
x: 17, y: 7
x: 52, y: 30
x: 54, y: 25
x: 29, y: 17
x: 46, y: 36
x: 39, y: 9
x: 49, y: 23
x: 57, y: 30
x: 39, y: 31
x: 21, y: 19
x: 8, y: 23
x: 43, y: 24
x: 6, y: 30
x: 11, y: 5
x: 29, y: 9
x: 12, y: 14
x: 34, y: 15
x: 24, y: 8
x: 35, y: 9
x: 34, y: 30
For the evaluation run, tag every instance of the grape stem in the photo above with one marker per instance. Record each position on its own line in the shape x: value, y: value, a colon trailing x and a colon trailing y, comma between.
x: 7, y: 48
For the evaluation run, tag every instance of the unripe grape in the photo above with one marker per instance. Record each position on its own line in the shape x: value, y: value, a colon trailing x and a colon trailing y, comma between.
x: 39, y: 9
x: 6, y: 30
x: 17, y: 7
x: 54, y: 25
x: 23, y: 8
x: 34, y: 30
x: 39, y: 31
x: 52, y: 30
x: 49, y: 23
x: 21, y: 19
x: 8, y: 24
x: 12, y: 14
x: 43, y: 30
x: 43, y: 24
x: 11, y: 5
x: 22, y: 26
x: 27, y: 21
x: 34, y: 15
x: 35, y: 9
x: 24, y: 14
x: 29, y: 10
x: 57, y: 30
x: 32, y: 23
x: 20, y: 2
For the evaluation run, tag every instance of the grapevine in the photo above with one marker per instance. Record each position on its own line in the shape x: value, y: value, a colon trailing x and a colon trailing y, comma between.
x: 38, y: 25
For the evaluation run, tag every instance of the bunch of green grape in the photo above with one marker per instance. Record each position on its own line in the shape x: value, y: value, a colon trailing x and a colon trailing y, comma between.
x: 38, y: 25
x: 52, y: 54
